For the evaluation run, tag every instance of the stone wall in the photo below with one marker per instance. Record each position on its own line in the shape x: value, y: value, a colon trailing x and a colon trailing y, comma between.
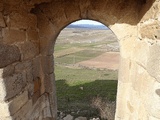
x: 28, y: 31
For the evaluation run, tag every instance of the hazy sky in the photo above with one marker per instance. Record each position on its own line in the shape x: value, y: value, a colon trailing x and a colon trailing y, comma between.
x: 87, y: 22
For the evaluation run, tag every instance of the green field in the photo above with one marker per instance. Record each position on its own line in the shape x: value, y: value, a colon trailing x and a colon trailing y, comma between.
x: 77, y: 87
x: 78, y: 56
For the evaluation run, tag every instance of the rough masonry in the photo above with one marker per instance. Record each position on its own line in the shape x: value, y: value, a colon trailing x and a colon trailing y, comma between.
x: 28, y: 31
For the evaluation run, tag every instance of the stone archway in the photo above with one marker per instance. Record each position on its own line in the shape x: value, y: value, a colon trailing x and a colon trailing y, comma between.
x: 27, y: 36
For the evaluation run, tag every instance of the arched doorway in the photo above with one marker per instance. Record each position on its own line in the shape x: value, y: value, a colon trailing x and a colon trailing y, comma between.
x: 28, y: 30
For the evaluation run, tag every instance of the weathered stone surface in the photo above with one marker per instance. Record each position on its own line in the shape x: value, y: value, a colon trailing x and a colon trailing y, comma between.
x: 140, y: 52
x: 49, y: 83
x: 118, y: 30
x: 154, y: 101
x: 18, y: 102
x: 46, y: 36
x: 28, y: 50
x: 33, y: 36
x: 2, y: 22
x: 47, y: 64
x: 8, y: 55
x: 22, y: 20
x: 9, y: 108
x: 150, y: 30
x: 8, y: 71
x: 23, y: 66
x: 68, y: 117
x: 13, y: 85
x: 33, y: 26
x: 127, y: 46
x: 21, y: 114
x: 81, y: 118
x: 124, y: 68
x: 153, y: 64
x: 11, y: 36
x: 1, y: 6
x: 38, y: 1
x: 36, y: 67
x: 41, y: 104
x: 13, y: 2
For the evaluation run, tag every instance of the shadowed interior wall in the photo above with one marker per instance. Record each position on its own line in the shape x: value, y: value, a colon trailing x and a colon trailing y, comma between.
x: 28, y: 31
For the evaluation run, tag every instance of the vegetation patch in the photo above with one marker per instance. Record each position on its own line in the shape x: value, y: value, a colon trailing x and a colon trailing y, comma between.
x: 82, y: 90
x: 77, y: 88
x: 78, y: 56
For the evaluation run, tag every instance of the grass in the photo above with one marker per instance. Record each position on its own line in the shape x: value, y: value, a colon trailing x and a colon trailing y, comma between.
x: 77, y: 88
x: 63, y: 46
x: 74, y: 76
x: 78, y: 56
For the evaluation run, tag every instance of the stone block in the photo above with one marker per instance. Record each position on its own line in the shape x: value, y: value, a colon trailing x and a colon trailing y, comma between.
x: 125, y: 65
x: 1, y: 37
x: 46, y: 28
x: 46, y: 46
x: 29, y: 75
x: 8, y: 55
x: 2, y: 22
x: 153, y: 61
x: 49, y: 83
x: 141, y: 81
x: 8, y: 71
x: 10, y: 2
x: 142, y: 113
x: 17, y: 103
x: 11, y: 36
x: 48, y: 34
x: 1, y: 6
x: 157, y: 34
x: 81, y: 118
x: 47, y: 64
x: 150, y: 30
x: 118, y: 29
x: 30, y: 87
x: 12, y: 85
x: 127, y: 47
x: 33, y: 36
x: 10, y: 108
x: 23, y: 20
x: 46, y: 112
x: 28, y: 50
x: 140, y: 52
x: 152, y: 118
x: 21, y: 114
x: 68, y: 117
x: 153, y: 102
x: 39, y: 1
x: 36, y: 96
x: 36, y: 67
x: 48, y: 118
x: 23, y: 66
x: 38, y: 107
x: 37, y: 84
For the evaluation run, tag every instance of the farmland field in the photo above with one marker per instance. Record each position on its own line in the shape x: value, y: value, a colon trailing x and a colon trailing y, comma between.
x: 86, y: 67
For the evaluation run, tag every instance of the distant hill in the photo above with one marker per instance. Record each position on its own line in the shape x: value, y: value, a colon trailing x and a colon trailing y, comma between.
x: 88, y: 26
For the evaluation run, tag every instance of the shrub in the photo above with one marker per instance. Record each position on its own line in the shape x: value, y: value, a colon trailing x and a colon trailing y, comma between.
x: 105, y: 107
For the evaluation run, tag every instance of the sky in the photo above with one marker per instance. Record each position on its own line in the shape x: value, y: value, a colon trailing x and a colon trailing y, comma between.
x: 91, y: 22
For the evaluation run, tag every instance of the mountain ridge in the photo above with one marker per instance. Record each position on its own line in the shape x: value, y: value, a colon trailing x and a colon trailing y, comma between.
x: 87, y: 26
